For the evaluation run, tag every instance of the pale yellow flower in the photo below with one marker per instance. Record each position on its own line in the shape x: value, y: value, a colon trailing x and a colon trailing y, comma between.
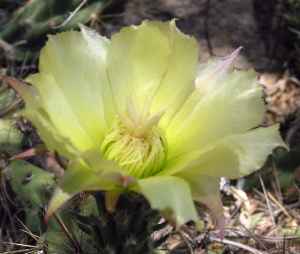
x: 134, y: 113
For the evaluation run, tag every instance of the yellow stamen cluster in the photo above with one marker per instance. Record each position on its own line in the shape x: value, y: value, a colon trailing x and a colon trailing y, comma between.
x: 139, y: 155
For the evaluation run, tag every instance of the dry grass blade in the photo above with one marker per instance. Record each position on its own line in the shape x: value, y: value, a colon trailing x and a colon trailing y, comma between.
x: 27, y: 231
x: 69, y: 235
x: 280, y: 206
x: 255, y: 237
x: 73, y: 13
x: 267, y: 200
x: 237, y: 244
x: 19, y: 244
x: 187, y: 239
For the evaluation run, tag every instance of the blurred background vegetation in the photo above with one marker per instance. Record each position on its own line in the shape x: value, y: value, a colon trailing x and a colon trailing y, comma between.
x: 263, y: 209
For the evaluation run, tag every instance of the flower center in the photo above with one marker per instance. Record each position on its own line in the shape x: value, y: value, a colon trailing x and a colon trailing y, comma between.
x: 139, y: 150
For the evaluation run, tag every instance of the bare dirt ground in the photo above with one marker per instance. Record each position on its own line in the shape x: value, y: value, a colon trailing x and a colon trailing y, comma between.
x: 220, y: 26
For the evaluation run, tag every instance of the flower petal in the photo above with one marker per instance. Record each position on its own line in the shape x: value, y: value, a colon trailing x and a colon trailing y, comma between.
x: 154, y: 66
x: 234, y: 156
x: 205, y: 190
x: 81, y: 177
x: 77, y: 180
x: 72, y: 88
x: 59, y: 112
x: 90, y: 173
x: 170, y: 195
x: 234, y: 107
x: 46, y: 129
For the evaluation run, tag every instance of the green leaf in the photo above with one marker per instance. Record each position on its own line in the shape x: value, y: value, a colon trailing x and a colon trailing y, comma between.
x: 170, y: 195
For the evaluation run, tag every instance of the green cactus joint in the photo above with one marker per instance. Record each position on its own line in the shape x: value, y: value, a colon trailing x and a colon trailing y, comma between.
x: 137, y: 113
x: 35, y: 19
x: 11, y: 138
